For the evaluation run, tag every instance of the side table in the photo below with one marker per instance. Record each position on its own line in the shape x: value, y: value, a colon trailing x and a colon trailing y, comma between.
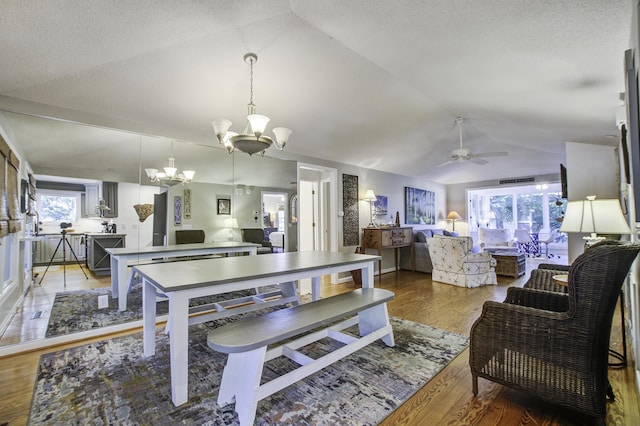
x: 388, y: 238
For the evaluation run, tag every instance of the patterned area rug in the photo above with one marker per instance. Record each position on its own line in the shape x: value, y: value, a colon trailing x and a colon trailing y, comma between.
x: 74, y: 311
x: 111, y: 382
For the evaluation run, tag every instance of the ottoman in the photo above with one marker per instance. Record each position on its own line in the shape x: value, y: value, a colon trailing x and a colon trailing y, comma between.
x: 509, y: 263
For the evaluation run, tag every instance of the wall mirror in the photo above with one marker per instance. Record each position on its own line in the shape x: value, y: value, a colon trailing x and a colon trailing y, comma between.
x: 76, y: 152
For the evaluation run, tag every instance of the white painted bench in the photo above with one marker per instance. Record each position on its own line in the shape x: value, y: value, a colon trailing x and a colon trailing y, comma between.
x: 246, y: 343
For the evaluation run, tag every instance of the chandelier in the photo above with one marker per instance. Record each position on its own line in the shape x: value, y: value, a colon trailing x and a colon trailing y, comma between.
x: 170, y: 176
x: 253, y: 140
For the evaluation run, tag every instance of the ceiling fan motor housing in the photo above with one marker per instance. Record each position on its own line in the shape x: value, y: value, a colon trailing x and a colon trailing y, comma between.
x: 461, y: 152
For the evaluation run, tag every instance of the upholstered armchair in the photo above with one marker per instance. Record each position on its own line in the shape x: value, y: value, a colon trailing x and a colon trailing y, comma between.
x: 551, y: 345
x: 454, y: 263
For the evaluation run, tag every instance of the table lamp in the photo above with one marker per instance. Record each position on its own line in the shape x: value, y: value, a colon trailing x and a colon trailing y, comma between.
x: 594, y: 217
x: 453, y: 216
x: 231, y: 224
x: 370, y: 197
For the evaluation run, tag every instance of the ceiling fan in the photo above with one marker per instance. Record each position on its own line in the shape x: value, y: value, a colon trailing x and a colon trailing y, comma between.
x: 464, y: 154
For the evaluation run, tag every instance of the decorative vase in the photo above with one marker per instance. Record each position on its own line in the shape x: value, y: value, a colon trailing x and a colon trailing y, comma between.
x: 398, y: 219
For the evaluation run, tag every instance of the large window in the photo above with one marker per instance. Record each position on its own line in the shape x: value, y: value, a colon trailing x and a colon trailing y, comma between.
x: 536, y: 208
x: 58, y: 206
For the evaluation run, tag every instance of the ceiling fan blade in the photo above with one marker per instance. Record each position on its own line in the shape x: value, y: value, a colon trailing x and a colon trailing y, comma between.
x: 478, y: 160
x: 491, y: 154
x: 445, y: 163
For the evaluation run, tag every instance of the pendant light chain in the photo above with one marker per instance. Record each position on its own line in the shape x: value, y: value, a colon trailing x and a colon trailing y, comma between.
x: 251, y: 106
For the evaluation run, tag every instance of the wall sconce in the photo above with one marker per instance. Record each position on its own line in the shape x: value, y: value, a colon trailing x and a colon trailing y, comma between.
x: 370, y: 197
x: 453, y: 216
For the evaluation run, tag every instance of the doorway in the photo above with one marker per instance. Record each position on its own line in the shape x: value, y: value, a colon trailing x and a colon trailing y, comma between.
x: 317, y: 195
x: 274, y: 219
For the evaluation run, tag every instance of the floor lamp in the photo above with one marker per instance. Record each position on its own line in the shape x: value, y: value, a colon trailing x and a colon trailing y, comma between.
x: 370, y: 197
x: 599, y: 217
x: 453, y: 216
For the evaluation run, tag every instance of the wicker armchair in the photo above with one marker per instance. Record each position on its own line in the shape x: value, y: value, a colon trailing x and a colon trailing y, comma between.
x: 542, y: 279
x: 555, y: 346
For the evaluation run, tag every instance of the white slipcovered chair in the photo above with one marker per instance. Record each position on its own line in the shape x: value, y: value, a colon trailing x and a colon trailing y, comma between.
x: 454, y: 263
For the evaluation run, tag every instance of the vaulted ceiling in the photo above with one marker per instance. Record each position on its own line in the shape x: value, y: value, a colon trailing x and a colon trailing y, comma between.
x: 373, y: 83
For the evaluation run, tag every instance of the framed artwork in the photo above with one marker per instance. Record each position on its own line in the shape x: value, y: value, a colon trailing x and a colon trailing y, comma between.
x: 419, y: 206
x: 187, y: 204
x: 224, y: 206
x: 380, y: 207
x: 350, y: 224
x: 177, y: 210
x: 293, y: 208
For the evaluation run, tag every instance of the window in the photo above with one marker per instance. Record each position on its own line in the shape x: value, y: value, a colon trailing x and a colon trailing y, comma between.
x: 58, y: 206
x: 536, y: 208
x: 7, y: 253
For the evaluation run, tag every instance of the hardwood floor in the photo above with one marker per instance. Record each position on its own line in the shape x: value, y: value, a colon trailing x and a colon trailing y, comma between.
x: 445, y: 400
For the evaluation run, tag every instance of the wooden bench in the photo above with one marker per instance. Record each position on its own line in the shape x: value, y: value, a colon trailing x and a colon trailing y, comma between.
x: 246, y: 343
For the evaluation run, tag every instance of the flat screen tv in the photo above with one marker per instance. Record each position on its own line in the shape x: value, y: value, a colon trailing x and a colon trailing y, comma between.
x: 633, y: 123
x: 563, y: 181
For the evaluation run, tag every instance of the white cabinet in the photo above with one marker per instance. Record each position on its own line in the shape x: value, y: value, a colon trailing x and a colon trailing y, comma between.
x: 46, y: 247
x: 91, y: 199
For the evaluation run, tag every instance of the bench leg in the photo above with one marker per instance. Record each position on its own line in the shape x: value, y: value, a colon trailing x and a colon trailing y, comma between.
x: 289, y: 289
x: 240, y: 381
x: 373, y: 319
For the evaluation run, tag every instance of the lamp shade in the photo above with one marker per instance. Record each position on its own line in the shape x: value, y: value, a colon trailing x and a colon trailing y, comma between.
x: 369, y: 195
x: 231, y: 223
x: 453, y: 215
x: 595, y: 216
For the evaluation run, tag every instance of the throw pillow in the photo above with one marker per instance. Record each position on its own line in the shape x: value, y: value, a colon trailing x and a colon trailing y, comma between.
x: 437, y: 231
x: 450, y: 234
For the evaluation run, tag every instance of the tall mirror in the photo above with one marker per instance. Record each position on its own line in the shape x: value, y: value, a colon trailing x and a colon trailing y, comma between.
x: 81, y: 158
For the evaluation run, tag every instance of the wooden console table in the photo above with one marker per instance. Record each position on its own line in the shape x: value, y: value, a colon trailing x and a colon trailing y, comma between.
x: 386, y: 238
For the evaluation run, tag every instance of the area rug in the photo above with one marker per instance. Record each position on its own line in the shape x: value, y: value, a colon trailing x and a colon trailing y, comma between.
x: 111, y: 382
x: 74, y: 311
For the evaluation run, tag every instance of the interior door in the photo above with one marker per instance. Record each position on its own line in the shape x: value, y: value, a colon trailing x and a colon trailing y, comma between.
x: 159, y: 219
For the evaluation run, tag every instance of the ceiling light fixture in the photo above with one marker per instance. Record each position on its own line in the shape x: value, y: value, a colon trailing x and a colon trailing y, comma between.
x: 170, y: 175
x: 253, y: 140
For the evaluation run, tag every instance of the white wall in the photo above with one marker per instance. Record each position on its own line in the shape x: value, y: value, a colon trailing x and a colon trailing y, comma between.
x: 204, y: 210
x: 139, y: 234
x: 591, y: 170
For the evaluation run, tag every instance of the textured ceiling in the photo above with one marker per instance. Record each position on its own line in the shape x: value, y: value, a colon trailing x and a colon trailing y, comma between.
x: 373, y: 83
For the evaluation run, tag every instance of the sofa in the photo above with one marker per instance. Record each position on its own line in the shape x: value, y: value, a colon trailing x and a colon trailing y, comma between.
x: 421, y: 249
x: 492, y: 240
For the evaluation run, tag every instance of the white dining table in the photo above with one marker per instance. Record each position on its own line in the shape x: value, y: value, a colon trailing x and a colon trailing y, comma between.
x: 198, y: 278
x: 124, y: 256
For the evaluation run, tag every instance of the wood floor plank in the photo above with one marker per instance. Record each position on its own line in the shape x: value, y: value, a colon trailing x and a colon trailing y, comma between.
x: 446, y: 400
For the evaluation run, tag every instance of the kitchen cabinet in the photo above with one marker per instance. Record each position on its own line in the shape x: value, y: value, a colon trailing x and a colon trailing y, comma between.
x: 91, y: 199
x: 46, y: 245
x: 98, y: 260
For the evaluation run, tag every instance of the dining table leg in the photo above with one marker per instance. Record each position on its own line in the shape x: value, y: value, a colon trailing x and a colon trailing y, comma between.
x: 179, y: 347
x: 148, y: 318
x: 315, y: 288
x: 368, y: 276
